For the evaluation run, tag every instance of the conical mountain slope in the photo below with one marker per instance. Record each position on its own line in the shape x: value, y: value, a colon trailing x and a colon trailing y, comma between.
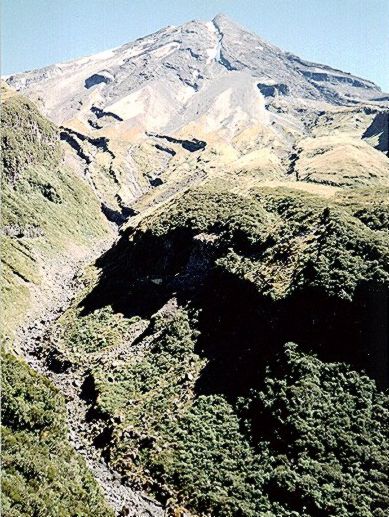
x: 226, y: 353
x: 170, y: 66
x: 210, y: 97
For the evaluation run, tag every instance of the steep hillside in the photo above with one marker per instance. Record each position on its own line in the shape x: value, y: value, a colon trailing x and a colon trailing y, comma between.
x: 50, y: 214
x: 194, y: 389
x: 50, y: 219
x: 41, y: 473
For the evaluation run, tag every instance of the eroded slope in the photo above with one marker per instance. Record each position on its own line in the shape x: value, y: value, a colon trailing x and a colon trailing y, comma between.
x: 135, y: 115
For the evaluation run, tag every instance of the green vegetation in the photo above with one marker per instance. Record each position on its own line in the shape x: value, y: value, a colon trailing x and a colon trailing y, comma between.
x: 41, y: 474
x: 189, y: 449
x: 371, y: 206
x: 313, y: 441
x: 47, y: 210
x: 95, y: 332
x: 329, y: 426
x: 149, y: 389
x: 232, y: 216
x: 27, y: 138
x: 284, y: 240
x: 308, y: 436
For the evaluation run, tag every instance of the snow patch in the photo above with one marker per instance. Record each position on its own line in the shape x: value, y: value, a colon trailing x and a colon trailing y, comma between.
x: 106, y: 54
x: 213, y: 53
x: 159, y: 52
x: 165, y: 49
x: 211, y: 27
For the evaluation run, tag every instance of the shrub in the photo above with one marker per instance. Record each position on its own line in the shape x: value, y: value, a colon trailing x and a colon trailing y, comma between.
x: 41, y: 473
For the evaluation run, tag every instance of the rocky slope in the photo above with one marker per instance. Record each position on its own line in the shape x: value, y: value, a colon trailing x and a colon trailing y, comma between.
x: 211, y: 95
x: 52, y: 225
x: 190, y: 57
x: 120, y: 496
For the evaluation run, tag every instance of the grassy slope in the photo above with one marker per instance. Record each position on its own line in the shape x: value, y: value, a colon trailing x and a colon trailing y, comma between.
x: 46, y: 211
x: 294, y: 434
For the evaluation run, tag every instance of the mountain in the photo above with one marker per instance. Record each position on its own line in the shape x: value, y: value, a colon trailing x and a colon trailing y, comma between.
x: 172, y: 65
x: 195, y: 283
x: 209, y: 95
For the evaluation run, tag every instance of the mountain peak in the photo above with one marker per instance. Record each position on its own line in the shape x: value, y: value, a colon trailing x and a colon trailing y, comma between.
x: 222, y: 21
x: 168, y: 78
x: 221, y: 17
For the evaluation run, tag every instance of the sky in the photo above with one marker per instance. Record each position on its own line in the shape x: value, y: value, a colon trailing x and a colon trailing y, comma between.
x: 352, y: 35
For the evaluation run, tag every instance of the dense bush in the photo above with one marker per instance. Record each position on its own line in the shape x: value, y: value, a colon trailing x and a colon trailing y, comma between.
x: 149, y: 390
x: 313, y: 441
x: 41, y: 473
x: 29, y: 401
x: 191, y: 450
x: 281, y: 240
x: 93, y: 332
x: 235, y: 218
x: 310, y: 438
x: 208, y: 460
x: 370, y: 205
x: 329, y: 435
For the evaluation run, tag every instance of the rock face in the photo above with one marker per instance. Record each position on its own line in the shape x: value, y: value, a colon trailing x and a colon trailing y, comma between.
x: 259, y: 110
x: 176, y: 63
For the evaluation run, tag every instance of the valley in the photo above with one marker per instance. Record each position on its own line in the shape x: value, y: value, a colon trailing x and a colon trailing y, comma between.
x: 195, y: 266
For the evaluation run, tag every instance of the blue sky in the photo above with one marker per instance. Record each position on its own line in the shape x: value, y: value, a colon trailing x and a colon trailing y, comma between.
x: 352, y: 35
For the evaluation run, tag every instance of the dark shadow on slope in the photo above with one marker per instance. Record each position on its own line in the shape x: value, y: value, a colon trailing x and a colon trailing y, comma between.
x: 138, y: 279
x: 241, y: 331
x: 116, y: 216
x: 88, y: 389
x: 379, y: 128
